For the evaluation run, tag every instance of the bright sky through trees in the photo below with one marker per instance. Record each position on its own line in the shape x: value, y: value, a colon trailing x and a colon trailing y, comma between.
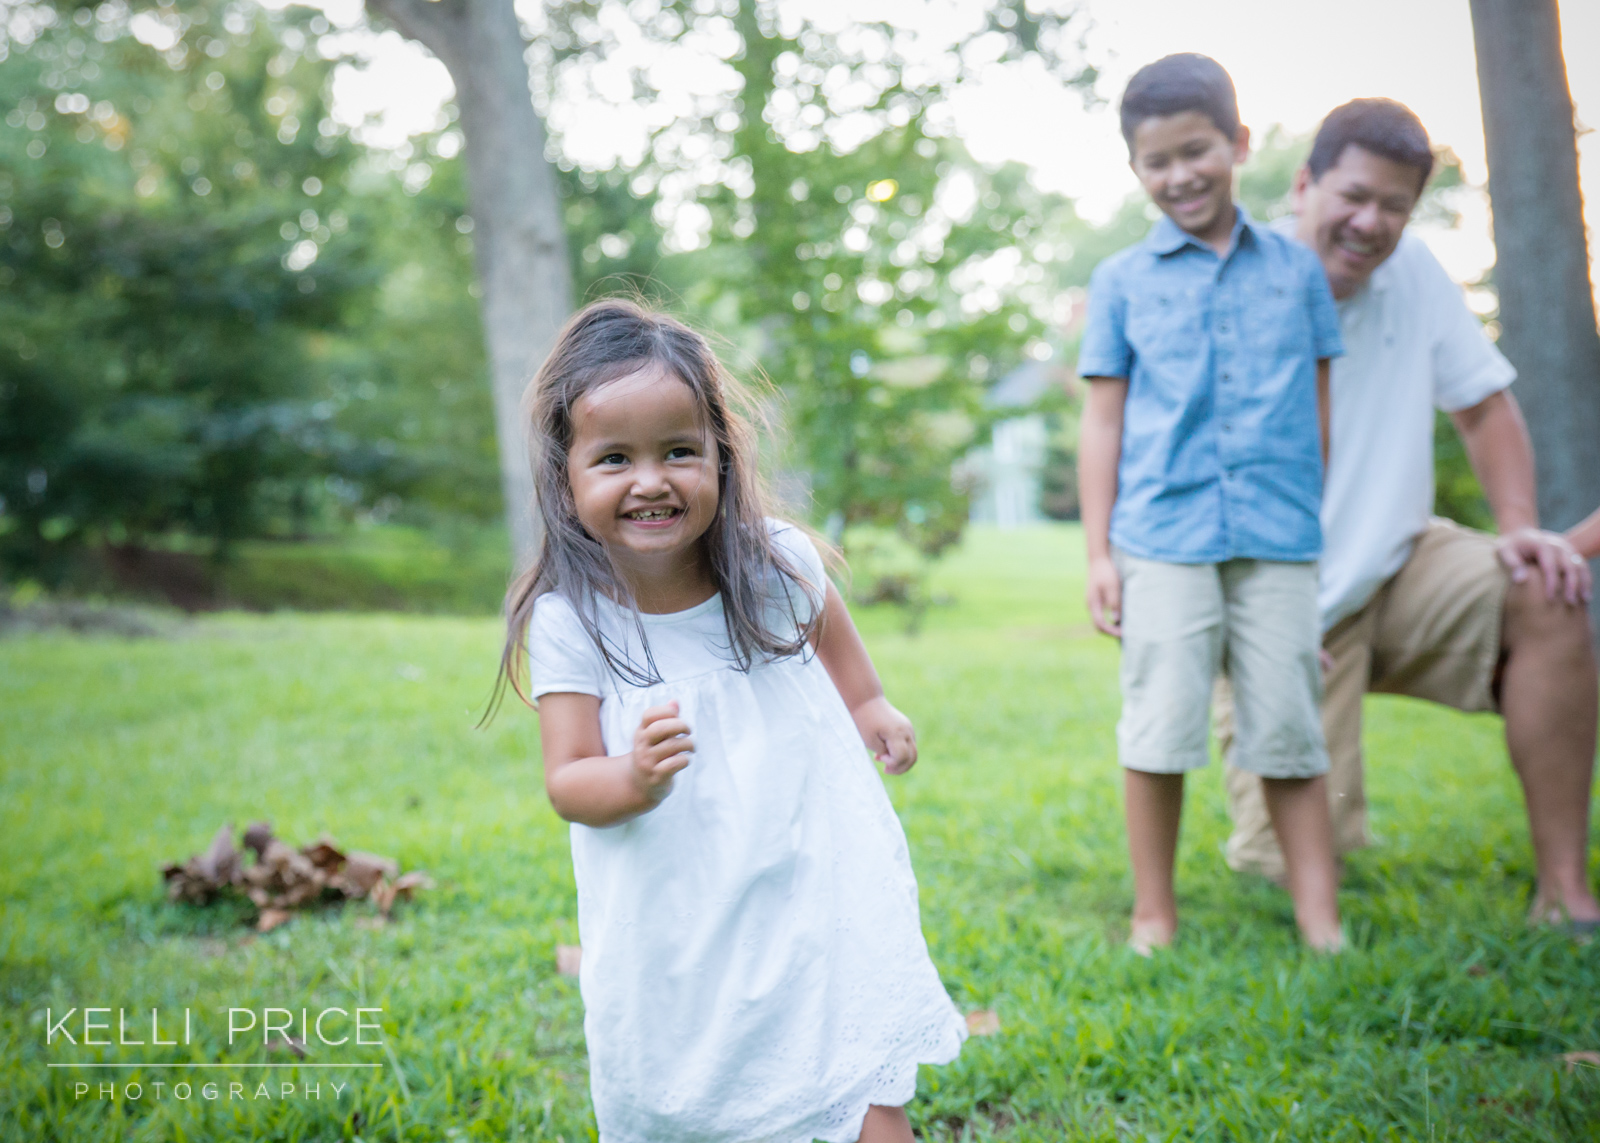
x: 1291, y: 64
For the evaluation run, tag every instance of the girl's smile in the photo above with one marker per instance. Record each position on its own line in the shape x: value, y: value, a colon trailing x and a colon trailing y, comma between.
x: 643, y: 469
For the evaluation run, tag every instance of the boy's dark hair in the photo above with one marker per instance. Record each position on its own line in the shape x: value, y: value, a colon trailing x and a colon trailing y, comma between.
x: 1381, y: 126
x: 1184, y: 82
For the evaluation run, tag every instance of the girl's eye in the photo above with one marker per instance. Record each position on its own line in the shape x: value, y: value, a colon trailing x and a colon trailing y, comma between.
x: 613, y: 458
x: 682, y: 452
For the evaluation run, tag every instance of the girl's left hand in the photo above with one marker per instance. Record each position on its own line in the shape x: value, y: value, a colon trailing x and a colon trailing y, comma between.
x: 888, y: 734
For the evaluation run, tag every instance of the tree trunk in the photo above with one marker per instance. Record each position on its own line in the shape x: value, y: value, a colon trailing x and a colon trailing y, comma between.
x: 519, y: 241
x: 1547, y: 313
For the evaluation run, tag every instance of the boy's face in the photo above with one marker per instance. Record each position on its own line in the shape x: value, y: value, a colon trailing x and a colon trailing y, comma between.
x: 1185, y: 164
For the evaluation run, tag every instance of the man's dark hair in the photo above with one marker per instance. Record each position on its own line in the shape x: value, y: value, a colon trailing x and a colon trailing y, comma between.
x: 1173, y: 84
x: 1382, y: 126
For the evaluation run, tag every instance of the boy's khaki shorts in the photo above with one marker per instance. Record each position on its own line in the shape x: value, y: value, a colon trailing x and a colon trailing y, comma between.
x: 1181, y: 625
x: 1431, y: 632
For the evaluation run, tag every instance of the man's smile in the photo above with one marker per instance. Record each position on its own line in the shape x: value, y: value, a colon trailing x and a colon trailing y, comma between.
x: 1360, y: 247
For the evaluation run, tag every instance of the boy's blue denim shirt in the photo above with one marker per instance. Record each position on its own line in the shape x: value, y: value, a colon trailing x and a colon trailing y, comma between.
x: 1221, y: 451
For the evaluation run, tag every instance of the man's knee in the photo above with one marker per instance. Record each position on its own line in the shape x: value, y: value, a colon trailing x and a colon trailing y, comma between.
x: 1533, y: 617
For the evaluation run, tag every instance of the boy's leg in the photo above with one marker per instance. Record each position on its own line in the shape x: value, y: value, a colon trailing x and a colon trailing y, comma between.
x: 886, y: 1125
x: 1253, y: 847
x: 1300, y: 819
x: 1272, y: 654
x: 1154, y: 807
x: 1171, y: 651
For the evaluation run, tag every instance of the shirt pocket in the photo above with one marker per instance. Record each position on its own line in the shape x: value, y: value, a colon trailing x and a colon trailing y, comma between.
x: 1278, y: 317
x: 1164, y: 324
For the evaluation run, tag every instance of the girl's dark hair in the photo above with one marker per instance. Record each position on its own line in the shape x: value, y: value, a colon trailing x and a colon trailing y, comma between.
x: 1382, y: 126
x: 603, y: 342
x: 1187, y: 81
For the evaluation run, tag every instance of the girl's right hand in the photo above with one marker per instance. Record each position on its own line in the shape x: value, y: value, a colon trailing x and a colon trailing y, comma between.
x: 661, y: 747
x: 1105, y: 596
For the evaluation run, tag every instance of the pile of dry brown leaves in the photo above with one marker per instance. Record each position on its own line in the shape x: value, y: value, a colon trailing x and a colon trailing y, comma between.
x: 282, y: 878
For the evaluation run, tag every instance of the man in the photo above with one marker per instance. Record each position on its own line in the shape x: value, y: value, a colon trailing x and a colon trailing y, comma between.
x: 1410, y: 604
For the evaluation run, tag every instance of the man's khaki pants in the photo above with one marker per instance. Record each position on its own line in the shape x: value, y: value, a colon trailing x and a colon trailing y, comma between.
x: 1432, y: 631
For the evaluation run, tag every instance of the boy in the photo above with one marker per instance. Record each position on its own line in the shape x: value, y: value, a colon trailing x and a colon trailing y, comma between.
x: 1204, y: 436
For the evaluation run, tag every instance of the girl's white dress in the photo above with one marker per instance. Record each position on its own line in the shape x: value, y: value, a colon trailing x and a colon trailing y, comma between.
x: 753, y: 963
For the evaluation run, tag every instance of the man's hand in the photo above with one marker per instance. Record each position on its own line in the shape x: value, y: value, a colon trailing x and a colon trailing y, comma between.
x: 1105, y: 596
x: 661, y: 747
x: 1555, y: 559
x: 888, y: 734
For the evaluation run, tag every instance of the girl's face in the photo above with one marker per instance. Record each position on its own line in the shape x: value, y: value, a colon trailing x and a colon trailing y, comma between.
x: 643, y: 467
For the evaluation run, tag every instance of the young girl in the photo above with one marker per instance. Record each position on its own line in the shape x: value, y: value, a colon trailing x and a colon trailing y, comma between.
x: 753, y: 963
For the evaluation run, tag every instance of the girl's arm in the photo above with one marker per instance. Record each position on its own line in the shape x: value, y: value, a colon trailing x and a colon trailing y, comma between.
x: 1099, y: 452
x: 887, y: 732
x: 585, y: 785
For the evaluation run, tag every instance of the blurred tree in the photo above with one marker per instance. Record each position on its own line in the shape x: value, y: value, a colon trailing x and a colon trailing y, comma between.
x: 882, y: 278
x: 411, y: 366
x: 1547, y: 310
x: 521, y: 251
x: 1058, y: 492
x: 176, y: 224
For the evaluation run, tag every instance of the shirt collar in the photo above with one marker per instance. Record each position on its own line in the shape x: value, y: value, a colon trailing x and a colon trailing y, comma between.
x: 1167, y: 237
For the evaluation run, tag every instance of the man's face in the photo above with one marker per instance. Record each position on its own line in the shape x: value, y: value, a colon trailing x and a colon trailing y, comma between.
x: 1185, y: 164
x: 1353, y: 215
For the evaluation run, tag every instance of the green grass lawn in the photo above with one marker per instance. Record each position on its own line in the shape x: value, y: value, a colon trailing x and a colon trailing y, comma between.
x: 1446, y: 1021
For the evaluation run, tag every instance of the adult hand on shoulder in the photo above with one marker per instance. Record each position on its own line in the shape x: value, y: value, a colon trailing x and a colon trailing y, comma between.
x: 1105, y: 596
x: 1550, y: 554
x: 661, y: 747
x: 887, y: 733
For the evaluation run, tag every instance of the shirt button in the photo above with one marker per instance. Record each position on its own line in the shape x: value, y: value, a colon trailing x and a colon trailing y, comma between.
x: 1223, y: 327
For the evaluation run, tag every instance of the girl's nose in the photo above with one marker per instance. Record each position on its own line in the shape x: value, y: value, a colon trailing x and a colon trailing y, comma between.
x: 649, y: 480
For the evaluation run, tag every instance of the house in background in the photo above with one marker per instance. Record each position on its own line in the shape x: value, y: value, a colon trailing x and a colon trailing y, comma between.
x: 1007, y: 474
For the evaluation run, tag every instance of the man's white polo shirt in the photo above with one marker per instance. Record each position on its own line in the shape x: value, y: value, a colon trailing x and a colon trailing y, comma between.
x: 1411, y: 346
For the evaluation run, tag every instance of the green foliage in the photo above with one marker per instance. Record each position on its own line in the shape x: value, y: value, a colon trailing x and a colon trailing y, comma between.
x: 176, y: 228
x: 406, y: 372
x: 882, y: 284
x: 455, y: 567
x: 613, y: 237
x: 1263, y: 183
x: 222, y: 319
x: 1058, y: 492
x: 1447, y: 1020
x: 1456, y: 491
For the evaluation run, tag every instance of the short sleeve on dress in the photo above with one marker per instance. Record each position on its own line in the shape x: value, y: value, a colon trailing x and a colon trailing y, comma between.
x: 802, y: 554
x: 561, y: 656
